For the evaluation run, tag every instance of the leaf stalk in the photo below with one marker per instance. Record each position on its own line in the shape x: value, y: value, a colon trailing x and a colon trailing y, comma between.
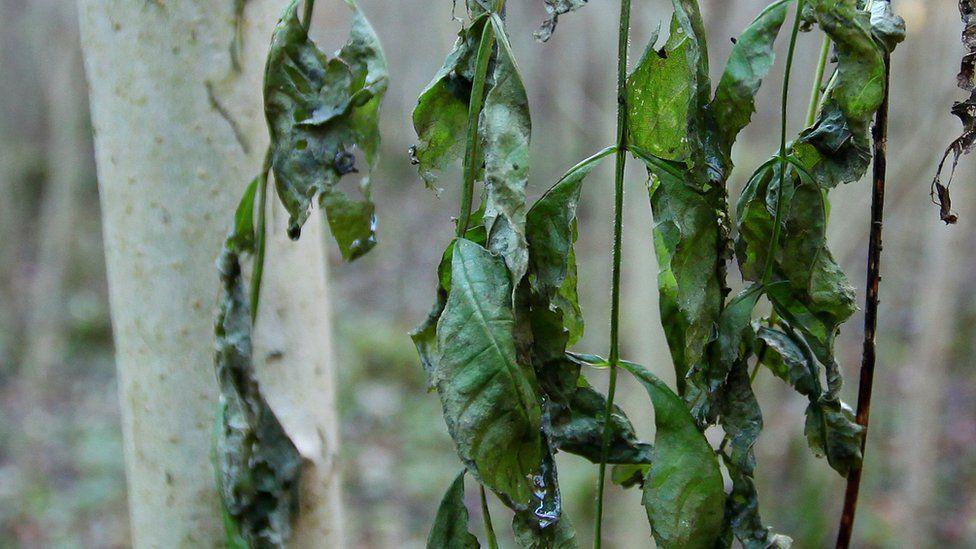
x: 471, y: 164
x: 783, y: 162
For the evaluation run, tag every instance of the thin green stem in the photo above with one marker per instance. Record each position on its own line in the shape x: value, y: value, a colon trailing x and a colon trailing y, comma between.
x: 477, y: 102
x: 818, y: 82
x: 307, y: 15
x: 783, y: 162
x: 486, y: 518
x: 262, y: 237
x: 621, y: 164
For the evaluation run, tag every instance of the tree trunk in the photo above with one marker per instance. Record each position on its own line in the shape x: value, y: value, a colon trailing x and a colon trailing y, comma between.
x: 179, y: 133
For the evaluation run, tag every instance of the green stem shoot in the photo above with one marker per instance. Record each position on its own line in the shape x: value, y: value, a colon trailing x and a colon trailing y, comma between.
x: 307, y: 15
x: 471, y: 152
x: 783, y: 162
x: 818, y: 82
x: 621, y: 164
x: 262, y: 237
x: 486, y: 518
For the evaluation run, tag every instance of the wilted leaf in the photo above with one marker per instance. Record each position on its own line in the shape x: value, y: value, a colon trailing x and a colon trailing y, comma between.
x: 683, y: 493
x: 579, y: 427
x: 505, y: 128
x: 320, y: 111
x: 555, y: 9
x: 490, y: 400
x: 450, y: 530
x: 258, y: 466
x: 830, y: 427
x: 750, y: 61
x: 964, y: 110
x: 441, y: 115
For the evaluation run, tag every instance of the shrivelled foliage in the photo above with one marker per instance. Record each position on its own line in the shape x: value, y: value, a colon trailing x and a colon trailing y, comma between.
x: 321, y: 110
x: 964, y: 110
x: 258, y: 467
x: 498, y: 345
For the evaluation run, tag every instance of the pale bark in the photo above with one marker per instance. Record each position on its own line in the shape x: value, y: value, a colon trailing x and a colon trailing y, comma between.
x: 178, y: 135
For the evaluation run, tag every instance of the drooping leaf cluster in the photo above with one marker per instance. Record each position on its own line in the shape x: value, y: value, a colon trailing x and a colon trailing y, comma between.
x: 965, y: 111
x: 685, y: 133
x: 321, y: 111
x: 497, y: 346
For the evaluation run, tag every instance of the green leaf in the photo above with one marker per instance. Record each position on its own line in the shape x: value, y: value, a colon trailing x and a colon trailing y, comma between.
x: 555, y: 316
x: 320, y: 110
x: 258, y: 466
x: 555, y: 8
x: 683, y: 494
x: 243, y: 239
x: 688, y: 242
x: 837, y: 149
x: 490, y: 399
x: 441, y: 115
x: 660, y: 97
x: 505, y: 128
x: 750, y: 61
x: 450, y: 530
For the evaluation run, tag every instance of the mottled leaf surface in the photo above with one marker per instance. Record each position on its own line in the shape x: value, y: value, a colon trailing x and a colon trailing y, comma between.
x: 490, y: 399
x: 321, y: 110
x: 450, y: 530
x: 505, y: 128
x: 258, y: 466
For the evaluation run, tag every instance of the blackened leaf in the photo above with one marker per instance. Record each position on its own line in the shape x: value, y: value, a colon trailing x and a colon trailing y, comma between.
x: 742, y: 421
x: 544, y: 524
x: 579, y: 430
x: 830, y: 426
x: 505, y: 127
x: 441, y: 115
x: 628, y: 476
x: 751, y: 59
x: 258, y: 466
x: 320, y: 110
x: 450, y: 530
x: 555, y: 9
x: 683, y: 493
x: 490, y: 400
x: 732, y: 346
x: 964, y: 110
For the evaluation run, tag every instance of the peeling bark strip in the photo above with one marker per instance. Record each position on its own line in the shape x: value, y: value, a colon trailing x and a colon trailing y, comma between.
x: 964, y: 110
